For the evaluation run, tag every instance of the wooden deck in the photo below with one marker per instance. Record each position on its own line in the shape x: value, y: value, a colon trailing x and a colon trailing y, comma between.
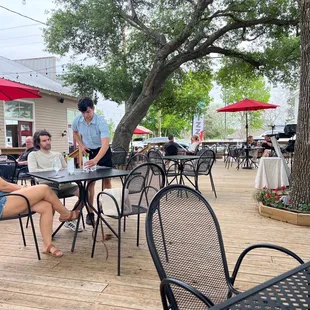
x: 77, y: 281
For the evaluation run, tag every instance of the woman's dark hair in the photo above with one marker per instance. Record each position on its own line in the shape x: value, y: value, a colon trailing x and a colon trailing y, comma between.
x: 84, y: 103
x: 37, y: 135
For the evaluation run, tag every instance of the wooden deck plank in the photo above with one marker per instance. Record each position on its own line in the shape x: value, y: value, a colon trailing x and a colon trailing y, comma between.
x: 78, y: 281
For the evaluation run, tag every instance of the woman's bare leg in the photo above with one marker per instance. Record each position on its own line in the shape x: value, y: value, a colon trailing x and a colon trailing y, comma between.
x: 45, y: 210
x: 35, y: 194
x: 42, y: 207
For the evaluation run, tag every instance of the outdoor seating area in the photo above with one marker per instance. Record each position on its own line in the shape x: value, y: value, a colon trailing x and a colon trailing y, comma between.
x: 79, y: 281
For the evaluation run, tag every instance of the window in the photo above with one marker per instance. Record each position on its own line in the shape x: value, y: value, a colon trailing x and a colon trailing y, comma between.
x: 19, y: 110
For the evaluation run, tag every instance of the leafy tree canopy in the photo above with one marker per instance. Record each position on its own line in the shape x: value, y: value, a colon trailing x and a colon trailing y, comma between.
x: 141, y: 44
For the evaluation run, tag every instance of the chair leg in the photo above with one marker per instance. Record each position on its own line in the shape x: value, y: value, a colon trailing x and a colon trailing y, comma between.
x: 124, y: 228
x: 119, y: 247
x: 138, y: 229
x: 22, y: 230
x: 212, y: 185
x: 35, y: 237
x: 27, y: 223
x: 95, y: 236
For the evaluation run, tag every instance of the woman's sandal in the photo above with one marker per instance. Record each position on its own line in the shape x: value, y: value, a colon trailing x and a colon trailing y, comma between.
x: 73, y: 216
x: 55, y: 253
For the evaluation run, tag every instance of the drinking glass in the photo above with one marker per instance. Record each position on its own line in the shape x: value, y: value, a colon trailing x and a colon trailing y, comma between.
x: 56, y: 165
x: 85, y: 168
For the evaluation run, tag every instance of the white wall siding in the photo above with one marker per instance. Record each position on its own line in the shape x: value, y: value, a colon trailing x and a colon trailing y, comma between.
x: 51, y: 115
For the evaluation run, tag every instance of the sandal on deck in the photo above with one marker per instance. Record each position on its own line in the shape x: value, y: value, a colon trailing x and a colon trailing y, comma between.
x: 73, y: 216
x: 55, y: 253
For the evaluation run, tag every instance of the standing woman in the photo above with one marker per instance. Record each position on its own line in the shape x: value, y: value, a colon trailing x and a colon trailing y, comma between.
x: 43, y: 201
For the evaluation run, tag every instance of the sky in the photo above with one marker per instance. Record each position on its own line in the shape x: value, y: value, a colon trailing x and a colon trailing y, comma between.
x: 21, y: 37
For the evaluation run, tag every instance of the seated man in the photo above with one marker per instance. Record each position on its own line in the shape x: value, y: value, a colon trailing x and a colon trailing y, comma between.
x: 171, y: 148
x: 193, y: 147
x: 42, y: 160
x: 251, y: 142
x: 267, y: 145
x: 22, y: 159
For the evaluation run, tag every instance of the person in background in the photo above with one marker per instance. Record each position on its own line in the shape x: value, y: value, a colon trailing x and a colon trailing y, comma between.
x: 267, y: 145
x: 23, y: 158
x: 43, y: 201
x: 251, y: 142
x: 42, y: 160
x: 171, y: 148
x: 193, y: 147
x: 91, y: 132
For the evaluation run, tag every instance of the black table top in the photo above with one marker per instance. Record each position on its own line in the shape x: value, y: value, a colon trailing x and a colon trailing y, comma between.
x: 287, y: 291
x: 79, y: 175
x: 181, y: 157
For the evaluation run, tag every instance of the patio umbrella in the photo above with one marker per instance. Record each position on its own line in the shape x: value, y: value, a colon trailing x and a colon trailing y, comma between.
x: 140, y: 130
x: 246, y: 105
x: 11, y: 90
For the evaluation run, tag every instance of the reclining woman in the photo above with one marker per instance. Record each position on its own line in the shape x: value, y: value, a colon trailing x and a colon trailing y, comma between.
x: 43, y: 201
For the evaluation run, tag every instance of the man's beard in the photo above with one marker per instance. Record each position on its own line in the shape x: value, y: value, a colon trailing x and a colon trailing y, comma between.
x: 47, y: 147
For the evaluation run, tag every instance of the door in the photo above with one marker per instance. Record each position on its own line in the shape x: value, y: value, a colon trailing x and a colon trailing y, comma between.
x: 24, y: 130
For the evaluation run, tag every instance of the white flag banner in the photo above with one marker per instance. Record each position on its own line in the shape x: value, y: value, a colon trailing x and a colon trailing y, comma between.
x: 197, y: 124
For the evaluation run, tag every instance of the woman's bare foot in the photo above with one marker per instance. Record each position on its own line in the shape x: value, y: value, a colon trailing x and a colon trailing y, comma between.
x: 53, y: 251
x: 72, y: 215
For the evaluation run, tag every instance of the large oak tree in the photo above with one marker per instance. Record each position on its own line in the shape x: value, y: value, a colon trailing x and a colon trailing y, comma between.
x: 140, y: 44
x: 301, y: 168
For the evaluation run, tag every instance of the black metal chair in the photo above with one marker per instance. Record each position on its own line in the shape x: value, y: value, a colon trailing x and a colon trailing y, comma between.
x: 27, y: 214
x: 22, y: 175
x: 119, y: 157
x: 185, y: 241
x: 8, y: 168
x: 136, y: 160
x: 141, y: 185
x: 171, y: 170
x: 201, y: 166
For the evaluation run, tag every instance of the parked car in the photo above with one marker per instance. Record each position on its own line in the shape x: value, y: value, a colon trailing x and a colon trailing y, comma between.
x: 139, y: 143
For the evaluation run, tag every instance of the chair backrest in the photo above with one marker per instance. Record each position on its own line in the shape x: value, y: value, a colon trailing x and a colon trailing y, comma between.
x: 185, y: 242
x: 136, y: 160
x: 142, y: 183
x: 119, y: 156
x: 155, y: 157
x: 8, y: 166
x: 205, y: 161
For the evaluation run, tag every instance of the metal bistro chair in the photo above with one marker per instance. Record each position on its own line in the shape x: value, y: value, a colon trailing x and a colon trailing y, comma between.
x: 141, y: 184
x: 119, y: 157
x: 201, y: 166
x: 185, y: 241
x: 27, y: 214
x: 8, y: 168
x: 136, y: 160
x: 171, y: 170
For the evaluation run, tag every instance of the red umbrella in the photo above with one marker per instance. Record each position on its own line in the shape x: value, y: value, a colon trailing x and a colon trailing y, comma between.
x: 10, y: 91
x: 140, y: 130
x: 247, y: 105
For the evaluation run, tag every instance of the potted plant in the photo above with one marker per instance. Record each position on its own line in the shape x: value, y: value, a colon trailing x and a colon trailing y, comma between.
x: 276, y: 204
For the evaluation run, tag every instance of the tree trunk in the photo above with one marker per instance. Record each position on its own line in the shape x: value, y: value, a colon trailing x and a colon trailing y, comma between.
x: 301, y: 167
x: 137, y: 111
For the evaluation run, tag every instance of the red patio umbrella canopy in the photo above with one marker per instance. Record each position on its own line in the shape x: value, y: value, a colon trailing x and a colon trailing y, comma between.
x: 247, y: 105
x: 11, y: 90
x: 140, y: 130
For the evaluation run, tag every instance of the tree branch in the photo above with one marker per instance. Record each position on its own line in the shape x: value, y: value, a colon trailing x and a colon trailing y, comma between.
x: 135, y: 22
x: 179, y: 40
